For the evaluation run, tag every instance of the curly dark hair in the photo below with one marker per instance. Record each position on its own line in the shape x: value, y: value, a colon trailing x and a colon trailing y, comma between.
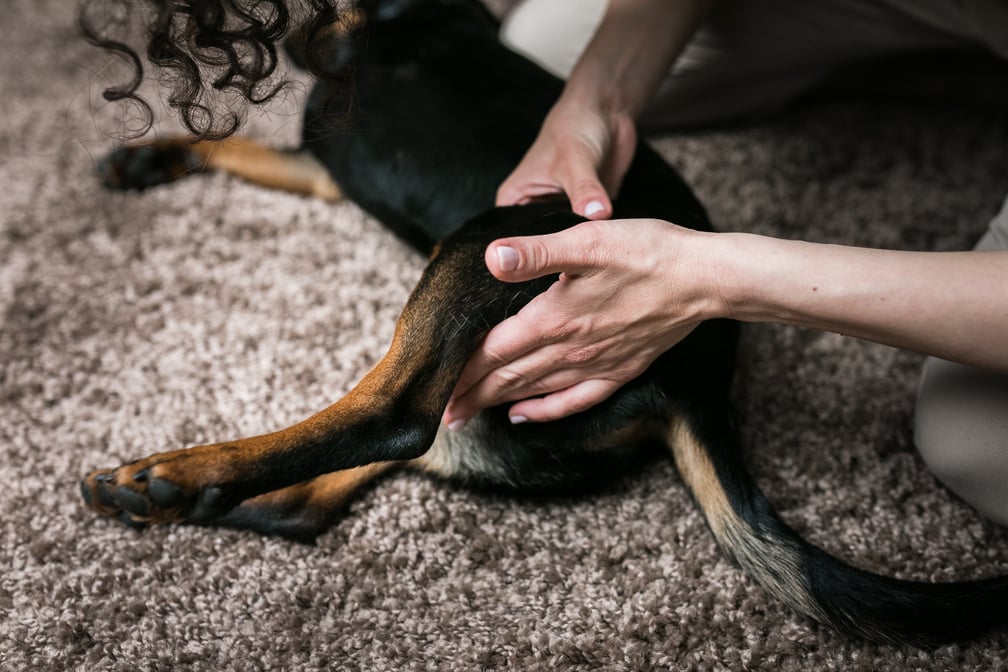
x: 208, y: 47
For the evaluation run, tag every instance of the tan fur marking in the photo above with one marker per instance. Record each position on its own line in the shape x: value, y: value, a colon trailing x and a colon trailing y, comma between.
x: 698, y: 473
x: 774, y: 562
x: 324, y: 493
x: 298, y: 172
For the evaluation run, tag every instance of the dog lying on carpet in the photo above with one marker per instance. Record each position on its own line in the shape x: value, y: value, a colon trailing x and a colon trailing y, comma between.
x: 446, y: 113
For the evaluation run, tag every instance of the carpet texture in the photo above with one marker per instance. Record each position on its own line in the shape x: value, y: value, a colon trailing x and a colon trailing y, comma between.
x: 211, y: 309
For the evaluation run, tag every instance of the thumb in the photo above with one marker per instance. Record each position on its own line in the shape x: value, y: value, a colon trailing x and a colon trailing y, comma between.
x: 571, y: 251
x: 590, y: 200
x: 587, y: 196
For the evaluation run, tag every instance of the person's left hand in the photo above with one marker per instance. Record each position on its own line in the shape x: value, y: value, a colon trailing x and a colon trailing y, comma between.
x: 628, y: 291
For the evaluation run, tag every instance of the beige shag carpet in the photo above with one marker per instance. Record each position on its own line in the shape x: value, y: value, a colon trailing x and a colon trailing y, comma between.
x: 211, y: 308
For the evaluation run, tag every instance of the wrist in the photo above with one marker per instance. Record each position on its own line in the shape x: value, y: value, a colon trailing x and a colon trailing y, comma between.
x: 599, y: 91
x: 698, y: 273
x: 598, y: 96
x: 733, y: 268
x: 619, y: 76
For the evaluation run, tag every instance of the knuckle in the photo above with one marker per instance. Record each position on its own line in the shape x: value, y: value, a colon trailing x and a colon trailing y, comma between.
x: 539, y: 256
x: 581, y: 403
x: 583, y: 355
x: 500, y: 361
x: 587, y: 187
x: 508, y: 378
x: 493, y: 358
x: 556, y: 328
x: 506, y: 195
x: 590, y: 243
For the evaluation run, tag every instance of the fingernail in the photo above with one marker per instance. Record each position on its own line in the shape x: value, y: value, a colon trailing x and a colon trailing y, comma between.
x: 593, y: 207
x: 507, y: 258
x: 456, y: 425
x: 518, y: 419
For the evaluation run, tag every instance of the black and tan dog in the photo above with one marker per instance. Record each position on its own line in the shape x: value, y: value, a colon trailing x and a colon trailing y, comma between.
x: 446, y: 112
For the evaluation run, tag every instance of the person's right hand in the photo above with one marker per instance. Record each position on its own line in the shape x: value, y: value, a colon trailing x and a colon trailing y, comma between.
x: 581, y: 152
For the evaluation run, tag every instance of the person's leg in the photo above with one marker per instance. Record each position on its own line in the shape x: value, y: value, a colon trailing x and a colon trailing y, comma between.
x: 553, y: 33
x: 961, y: 424
x: 749, y: 58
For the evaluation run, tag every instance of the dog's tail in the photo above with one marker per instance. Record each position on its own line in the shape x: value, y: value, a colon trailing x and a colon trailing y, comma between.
x: 707, y: 453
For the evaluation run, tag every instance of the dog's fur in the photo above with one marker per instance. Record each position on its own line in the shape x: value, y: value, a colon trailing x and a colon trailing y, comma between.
x: 446, y: 113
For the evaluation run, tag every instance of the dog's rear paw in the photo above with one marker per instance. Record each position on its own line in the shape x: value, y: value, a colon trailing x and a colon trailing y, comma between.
x: 171, y: 487
x: 142, y: 166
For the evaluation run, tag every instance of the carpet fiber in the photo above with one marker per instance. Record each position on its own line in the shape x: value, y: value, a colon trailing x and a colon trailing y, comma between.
x: 211, y: 309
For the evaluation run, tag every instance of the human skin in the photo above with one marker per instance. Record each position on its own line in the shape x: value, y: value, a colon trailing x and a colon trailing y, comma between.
x: 587, y: 140
x: 624, y: 299
x: 626, y: 295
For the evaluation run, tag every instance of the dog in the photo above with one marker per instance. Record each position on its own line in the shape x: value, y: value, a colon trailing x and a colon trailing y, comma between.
x: 446, y: 113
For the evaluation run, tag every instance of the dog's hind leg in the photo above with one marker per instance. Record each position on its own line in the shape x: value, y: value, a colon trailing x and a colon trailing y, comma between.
x: 146, y: 165
x: 391, y: 415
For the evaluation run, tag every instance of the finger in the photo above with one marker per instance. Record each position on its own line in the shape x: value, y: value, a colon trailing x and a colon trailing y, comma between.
x: 581, y: 183
x: 617, y: 163
x: 574, y: 251
x: 516, y: 191
x: 585, y: 192
x: 590, y: 200
x: 575, y: 399
x: 532, y: 375
x: 511, y: 339
x: 529, y: 180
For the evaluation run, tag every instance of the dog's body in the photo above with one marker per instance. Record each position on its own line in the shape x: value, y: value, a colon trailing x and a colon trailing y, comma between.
x: 446, y: 113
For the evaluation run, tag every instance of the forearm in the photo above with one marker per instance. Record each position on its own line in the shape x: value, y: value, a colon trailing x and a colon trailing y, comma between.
x: 952, y: 305
x: 631, y: 51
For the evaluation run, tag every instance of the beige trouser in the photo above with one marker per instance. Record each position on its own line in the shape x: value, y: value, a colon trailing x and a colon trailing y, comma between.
x: 754, y: 56
x: 962, y: 418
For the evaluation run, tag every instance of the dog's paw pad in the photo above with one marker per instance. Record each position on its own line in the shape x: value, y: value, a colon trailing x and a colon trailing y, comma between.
x: 160, y: 489
x: 131, y: 501
x: 97, y: 494
x: 85, y: 491
x: 163, y: 493
x: 212, y: 502
x: 142, y: 166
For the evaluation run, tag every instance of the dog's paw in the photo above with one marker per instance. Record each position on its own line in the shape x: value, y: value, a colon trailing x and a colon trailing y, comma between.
x: 142, y: 166
x: 187, y: 485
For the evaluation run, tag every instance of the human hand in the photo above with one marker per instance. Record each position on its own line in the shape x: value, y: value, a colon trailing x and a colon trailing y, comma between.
x: 581, y: 152
x: 628, y: 291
